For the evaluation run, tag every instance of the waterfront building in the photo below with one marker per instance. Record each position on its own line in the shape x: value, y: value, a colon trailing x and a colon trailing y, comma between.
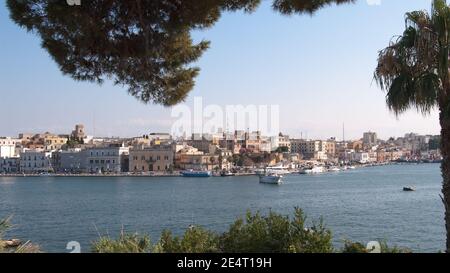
x: 311, y: 149
x: 191, y: 158
x: 8, y: 147
x: 108, y: 159
x: 9, y: 165
x: 35, y: 161
x: 70, y: 161
x: 360, y: 157
x: 154, y: 159
x: 330, y: 147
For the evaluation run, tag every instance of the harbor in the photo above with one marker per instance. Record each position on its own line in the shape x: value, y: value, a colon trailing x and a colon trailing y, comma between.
x: 363, y: 204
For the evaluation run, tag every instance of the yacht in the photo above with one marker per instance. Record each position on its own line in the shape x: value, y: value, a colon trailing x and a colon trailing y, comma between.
x: 270, y: 179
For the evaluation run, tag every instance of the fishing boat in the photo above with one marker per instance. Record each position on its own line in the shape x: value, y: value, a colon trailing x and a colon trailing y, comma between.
x: 192, y: 173
x: 270, y: 179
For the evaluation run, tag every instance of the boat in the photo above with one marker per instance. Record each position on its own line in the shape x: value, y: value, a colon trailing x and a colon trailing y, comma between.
x: 192, y: 173
x: 334, y: 169
x: 409, y: 189
x: 280, y: 170
x: 313, y: 170
x: 271, y: 179
x: 226, y: 174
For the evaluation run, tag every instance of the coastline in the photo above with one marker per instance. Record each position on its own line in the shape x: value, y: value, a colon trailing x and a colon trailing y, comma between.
x: 178, y: 173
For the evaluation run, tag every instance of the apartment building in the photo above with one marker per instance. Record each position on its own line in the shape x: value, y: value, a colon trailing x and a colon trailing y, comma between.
x: 151, y: 159
x: 110, y: 159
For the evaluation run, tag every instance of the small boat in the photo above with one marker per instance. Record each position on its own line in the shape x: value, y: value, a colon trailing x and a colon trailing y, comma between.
x: 306, y: 171
x: 335, y: 169
x: 192, y: 173
x: 226, y: 174
x: 270, y: 179
x: 409, y: 189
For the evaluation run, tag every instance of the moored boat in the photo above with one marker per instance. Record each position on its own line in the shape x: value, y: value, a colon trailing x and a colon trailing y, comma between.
x: 313, y: 170
x: 192, y: 173
x: 271, y: 179
x: 226, y: 174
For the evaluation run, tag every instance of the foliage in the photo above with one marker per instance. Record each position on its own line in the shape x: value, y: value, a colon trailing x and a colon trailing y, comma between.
x: 356, y: 247
x: 413, y: 69
x: 126, y: 243
x: 72, y: 142
x: 275, y: 234
x: 282, y: 149
x: 194, y: 240
x: 145, y: 45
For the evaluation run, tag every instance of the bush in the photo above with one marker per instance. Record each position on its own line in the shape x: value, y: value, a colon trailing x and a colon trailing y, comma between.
x: 356, y: 247
x: 194, y: 240
x: 276, y: 234
x: 127, y: 243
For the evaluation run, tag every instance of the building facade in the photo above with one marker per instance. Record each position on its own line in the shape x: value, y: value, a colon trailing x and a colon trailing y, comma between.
x: 33, y: 161
x: 8, y: 147
x: 109, y: 159
x: 152, y: 159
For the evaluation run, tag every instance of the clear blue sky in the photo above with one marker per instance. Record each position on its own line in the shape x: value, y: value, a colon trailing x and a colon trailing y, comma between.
x: 318, y: 69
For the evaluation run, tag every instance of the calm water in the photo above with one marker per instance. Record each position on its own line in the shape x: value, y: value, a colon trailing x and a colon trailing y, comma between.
x: 365, y: 204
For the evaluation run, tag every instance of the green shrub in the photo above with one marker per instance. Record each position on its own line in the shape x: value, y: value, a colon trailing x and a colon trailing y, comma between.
x: 126, y: 243
x: 276, y: 234
x: 194, y: 240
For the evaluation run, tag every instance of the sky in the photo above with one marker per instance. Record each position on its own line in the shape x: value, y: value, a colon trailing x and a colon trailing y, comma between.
x: 317, y: 69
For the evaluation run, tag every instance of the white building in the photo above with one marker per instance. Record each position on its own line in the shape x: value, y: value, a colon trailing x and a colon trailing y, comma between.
x: 8, y: 147
x: 107, y: 159
x: 34, y: 161
x: 280, y: 141
x: 361, y: 157
x: 310, y: 149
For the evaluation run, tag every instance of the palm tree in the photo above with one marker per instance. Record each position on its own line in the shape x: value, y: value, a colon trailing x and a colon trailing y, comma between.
x: 414, y: 71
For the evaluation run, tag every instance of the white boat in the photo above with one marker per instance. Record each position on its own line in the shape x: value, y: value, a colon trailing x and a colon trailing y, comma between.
x: 335, y: 169
x: 280, y: 170
x: 270, y: 179
x: 313, y: 170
